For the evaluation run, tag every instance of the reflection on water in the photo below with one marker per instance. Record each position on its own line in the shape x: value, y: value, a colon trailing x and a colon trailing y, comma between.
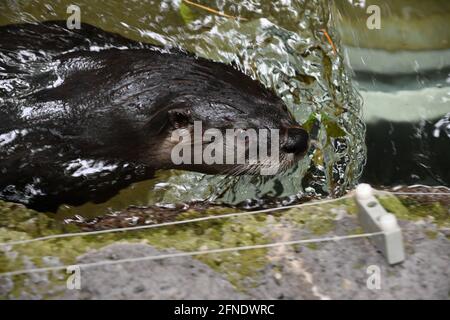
x: 403, y: 74
x: 282, y: 44
x: 407, y: 129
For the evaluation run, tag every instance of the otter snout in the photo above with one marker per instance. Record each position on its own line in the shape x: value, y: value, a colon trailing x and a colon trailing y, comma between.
x: 296, y: 141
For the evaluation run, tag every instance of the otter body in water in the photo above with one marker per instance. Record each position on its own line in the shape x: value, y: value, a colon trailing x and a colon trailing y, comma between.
x: 84, y: 113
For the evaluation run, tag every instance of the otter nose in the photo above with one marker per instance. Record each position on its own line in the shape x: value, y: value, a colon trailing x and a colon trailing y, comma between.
x: 297, y: 141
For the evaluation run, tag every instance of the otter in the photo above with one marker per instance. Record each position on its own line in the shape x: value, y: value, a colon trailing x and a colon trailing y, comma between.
x: 85, y: 113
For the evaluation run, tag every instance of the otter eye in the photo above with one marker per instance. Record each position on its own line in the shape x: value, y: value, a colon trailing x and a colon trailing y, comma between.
x: 179, y: 117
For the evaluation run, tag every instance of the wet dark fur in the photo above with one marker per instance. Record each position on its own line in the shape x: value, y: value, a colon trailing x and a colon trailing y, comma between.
x: 116, y: 105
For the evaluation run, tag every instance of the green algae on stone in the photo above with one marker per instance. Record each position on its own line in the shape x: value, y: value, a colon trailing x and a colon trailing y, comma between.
x: 35, y: 224
x: 431, y: 234
x: 216, y: 234
x: 317, y: 219
x: 350, y: 206
x: 410, y: 209
x: 20, y: 223
x: 313, y: 246
x: 213, y: 234
x: 394, y: 205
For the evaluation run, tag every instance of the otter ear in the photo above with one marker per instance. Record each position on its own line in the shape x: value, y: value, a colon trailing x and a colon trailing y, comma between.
x: 179, y: 118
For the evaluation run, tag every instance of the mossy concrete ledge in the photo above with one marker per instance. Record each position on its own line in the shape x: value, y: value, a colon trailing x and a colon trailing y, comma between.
x: 283, y: 272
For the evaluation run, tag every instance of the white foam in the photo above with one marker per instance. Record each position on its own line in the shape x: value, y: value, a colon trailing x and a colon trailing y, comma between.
x: 9, y: 137
x: 88, y: 167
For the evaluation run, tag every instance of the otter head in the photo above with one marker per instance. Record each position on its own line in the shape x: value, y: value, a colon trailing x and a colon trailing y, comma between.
x: 237, y: 135
x: 211, y: 103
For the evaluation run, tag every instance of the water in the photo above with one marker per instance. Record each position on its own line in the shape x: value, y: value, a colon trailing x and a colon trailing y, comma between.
x: 410, y: 146
x: 403, y: 74
x: 280, y: 43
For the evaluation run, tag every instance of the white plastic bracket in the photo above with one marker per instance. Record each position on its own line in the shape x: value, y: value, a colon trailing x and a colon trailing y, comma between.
x: 374, y: 218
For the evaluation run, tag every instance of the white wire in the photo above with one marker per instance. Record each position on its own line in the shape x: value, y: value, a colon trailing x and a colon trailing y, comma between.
x: 172, y: 223
x: 192, y: 253
x: 416, y: 193
x: 423, y: 186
